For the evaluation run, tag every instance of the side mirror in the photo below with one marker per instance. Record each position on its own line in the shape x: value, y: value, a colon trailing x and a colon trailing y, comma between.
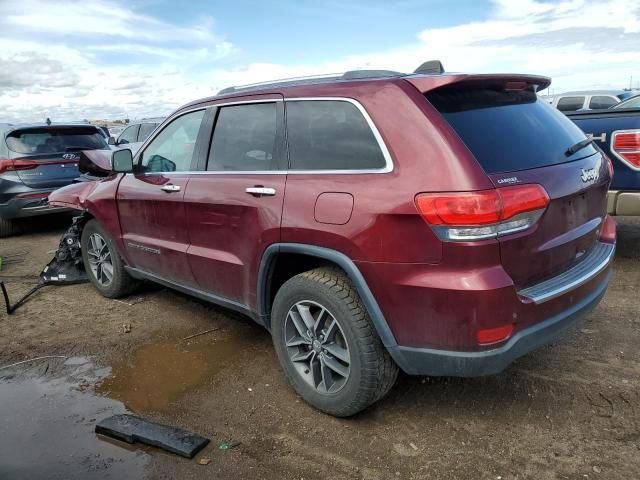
x: 122, y: 161
x: 111, y: 141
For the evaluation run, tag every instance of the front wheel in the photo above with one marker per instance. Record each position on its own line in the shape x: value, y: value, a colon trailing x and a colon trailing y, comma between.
x: 104, y: 266
x: 327, y: 345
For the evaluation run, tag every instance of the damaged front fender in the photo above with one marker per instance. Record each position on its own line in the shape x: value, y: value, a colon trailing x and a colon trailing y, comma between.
x: 72, y: 196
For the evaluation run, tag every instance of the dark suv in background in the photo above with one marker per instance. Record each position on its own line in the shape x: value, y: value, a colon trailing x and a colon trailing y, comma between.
x: 375, y: 221
x: 35, y: 160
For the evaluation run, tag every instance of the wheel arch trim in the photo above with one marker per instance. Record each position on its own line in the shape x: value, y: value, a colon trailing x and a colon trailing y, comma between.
x: 340, y: 259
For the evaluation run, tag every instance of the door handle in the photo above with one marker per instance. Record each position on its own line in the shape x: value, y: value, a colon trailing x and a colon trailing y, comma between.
x: 260, y: 191
x: 170, y: 188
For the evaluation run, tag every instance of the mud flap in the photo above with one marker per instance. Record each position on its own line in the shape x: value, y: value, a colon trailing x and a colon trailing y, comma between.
x: 131, y: 429
x: 66, y: 267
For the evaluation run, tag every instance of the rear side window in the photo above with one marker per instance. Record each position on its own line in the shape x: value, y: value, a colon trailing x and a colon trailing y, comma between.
x: 508, y: 130
x: 55, y: 140
x: 330, y: 135
x: 244, y: 138
x: 570, y: 104
x: 145, y: 131
x: 602, y: 101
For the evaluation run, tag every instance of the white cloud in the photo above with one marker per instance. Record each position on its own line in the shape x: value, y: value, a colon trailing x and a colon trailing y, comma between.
x: 50, y: 69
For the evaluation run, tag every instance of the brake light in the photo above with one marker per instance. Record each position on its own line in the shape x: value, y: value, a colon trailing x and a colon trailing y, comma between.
x: 7, y: 165
x: 625, y: 144
x: 464, y: 216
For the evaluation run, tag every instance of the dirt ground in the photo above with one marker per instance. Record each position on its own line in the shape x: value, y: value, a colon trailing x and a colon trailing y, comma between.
x: 567, y: 411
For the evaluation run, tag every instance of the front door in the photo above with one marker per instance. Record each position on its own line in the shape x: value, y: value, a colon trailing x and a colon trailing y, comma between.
x: 150, y: 201
x: 234, y: 207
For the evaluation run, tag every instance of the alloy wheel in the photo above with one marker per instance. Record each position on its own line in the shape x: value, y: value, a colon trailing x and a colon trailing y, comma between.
x: 317, y: 346
x: 99, y: 257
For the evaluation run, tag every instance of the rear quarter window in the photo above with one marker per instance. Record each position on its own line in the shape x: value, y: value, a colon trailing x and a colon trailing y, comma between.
x: 330, y: 135
x: 508, y: 131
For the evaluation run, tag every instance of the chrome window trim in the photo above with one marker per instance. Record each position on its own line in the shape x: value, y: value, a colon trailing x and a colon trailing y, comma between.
x: 389, y: 167
x: 616, y: 154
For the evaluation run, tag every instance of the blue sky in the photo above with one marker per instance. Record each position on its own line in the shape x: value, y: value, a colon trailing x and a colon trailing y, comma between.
x: 68, y: 59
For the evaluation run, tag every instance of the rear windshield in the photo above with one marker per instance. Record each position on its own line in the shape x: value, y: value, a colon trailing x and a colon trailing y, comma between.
x: 55, y: 140
x: 508, y: 131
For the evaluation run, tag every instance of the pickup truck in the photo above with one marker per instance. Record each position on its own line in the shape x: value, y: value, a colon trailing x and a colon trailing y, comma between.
x: 617, y: 132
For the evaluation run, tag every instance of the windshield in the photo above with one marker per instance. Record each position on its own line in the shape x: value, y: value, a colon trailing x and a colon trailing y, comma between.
x: 55, y: 140
x: 508, y: 130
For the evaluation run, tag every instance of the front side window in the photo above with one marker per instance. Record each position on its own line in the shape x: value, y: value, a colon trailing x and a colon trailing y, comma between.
x: 602, y: 101
x: 330, y: 135
x: 570, y: 104
x: 244, y: 138
x: 129, y: 135
x: 172, y: 149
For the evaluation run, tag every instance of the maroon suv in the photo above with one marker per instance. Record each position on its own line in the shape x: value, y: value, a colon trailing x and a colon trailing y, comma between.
x: 440, y: 224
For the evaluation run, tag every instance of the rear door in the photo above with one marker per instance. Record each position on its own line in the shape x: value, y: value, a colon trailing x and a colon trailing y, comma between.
x: 150, y: 201
x: 519, y: 139
x: 47, y: 157
x: 234, y: 207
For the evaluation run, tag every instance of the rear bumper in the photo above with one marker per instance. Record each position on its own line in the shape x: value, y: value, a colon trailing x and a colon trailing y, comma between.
x: 435, y: 362
x: 621, y: 202
x: 27, y: 207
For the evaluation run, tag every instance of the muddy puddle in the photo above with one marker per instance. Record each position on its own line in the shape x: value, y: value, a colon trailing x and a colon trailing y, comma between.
x: 49, y: 408
x: 47, y: 417
x: 157, y: 374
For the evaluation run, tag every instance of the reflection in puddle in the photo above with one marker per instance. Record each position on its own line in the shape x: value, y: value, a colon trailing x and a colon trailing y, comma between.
x: 48, y: 410
x: 47, y: 425
x: 158, y: 373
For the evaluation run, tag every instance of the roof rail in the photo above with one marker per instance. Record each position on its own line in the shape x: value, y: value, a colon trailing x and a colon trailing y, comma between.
x: 350, y: 75
x: 280, y: 82
x: 432, y: 67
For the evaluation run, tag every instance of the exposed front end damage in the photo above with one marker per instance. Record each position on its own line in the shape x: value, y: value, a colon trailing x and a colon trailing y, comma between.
x: 66, y: 267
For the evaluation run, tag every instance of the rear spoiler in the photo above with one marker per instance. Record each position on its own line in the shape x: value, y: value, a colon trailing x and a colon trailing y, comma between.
x: 428, y: 83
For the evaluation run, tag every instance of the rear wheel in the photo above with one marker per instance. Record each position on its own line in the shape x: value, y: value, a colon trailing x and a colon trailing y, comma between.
x: 327, y: 345
x: 104, y: 266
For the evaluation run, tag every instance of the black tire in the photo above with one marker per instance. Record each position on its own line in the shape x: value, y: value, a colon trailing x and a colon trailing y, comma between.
x: 8, y: 227
x: 121, y: 284
x: 372, y: 372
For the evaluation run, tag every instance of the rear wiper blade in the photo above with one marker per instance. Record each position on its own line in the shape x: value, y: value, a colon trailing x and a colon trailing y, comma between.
x: 578, y: 146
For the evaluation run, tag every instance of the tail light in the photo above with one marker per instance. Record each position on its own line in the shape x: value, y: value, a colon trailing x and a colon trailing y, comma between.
x: 625, y: 144
x: 468, y: 216
x: 14, y: 165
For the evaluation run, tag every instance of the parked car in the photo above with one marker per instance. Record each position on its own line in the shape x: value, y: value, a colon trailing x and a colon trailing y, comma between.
x: 589, y: 100
x: 136, y: 133
x: 617, y: 132
x: 375, y: 221
x: 34, y: 161
x: 114, y: 132
x: 631, y: 102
